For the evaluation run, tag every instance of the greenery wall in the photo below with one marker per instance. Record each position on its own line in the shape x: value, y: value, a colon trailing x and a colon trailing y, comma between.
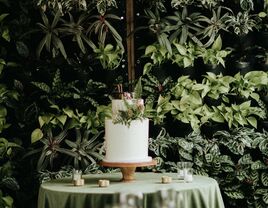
x: 203, y: 69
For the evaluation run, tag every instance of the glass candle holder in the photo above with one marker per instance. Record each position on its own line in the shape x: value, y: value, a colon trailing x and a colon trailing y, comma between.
x: 180, y: 169
x: 189, y: 175
x: 77, y: 175
x: 183, y: 168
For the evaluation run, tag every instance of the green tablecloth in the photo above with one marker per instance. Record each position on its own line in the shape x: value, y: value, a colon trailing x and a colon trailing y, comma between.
x: 203, y: 192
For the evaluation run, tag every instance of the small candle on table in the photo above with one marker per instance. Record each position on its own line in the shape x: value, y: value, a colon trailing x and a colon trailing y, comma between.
x: 104, y: 183
x: 79, y: 182
x: 166, y: 179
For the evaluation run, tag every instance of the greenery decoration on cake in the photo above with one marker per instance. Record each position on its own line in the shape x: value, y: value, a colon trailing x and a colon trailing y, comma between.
x: 134, y: 106
x: 134, y: 110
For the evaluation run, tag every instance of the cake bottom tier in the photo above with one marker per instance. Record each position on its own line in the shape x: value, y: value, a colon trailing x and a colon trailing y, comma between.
x: 127, y: 144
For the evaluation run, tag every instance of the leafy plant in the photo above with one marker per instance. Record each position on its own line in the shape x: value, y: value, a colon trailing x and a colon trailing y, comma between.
x: 65, y: 6
x: 215, y: 86
x: 4, y: 31
x: 51, y: 147
x: 242, y: 23
x: 137, y: 92
x: 87, y: 150
x: 210, y: 4
x: 92, y: 120
x: 185, y: 26
x: 247, y: 4
x: 159, y: 27
x: 103, y: 5
x: 76, y: 29
x: 237, y: 159
x: 9, y: 144
x: 157, y: 111
x: 188, y: 104
x: 51, y: 39
x: 110, y: 57
x: 161, y: 147
x: 183, y: 86
x: 152, y: 87
x: 184, y: 55
x: 190, y: 109
x: 238, y: 114
x: 101, y: 27
x: 158, y: 54
x: 215, y: 55
x: 181, y: 3
x: 6, y: 98
x: 154, y: 4
x: 248, y: 85
x: 62, y: 6
x: 7, y: 182
x: 249, y: 173
x: 215, y: 25
x: 58, y: 90
x: 5, y: 36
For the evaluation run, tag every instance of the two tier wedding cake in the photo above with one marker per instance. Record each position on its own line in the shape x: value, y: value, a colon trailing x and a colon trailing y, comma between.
x: 126, y: 133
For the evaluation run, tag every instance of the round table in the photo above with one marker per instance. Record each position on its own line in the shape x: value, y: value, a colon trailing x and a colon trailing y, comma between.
x: 203, y: 192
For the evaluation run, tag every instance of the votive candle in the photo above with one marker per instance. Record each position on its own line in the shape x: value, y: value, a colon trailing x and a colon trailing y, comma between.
x: 166, y: 179
x: 104, y: 183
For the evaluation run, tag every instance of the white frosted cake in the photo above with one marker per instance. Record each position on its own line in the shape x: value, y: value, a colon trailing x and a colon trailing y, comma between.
x: 126, y: 143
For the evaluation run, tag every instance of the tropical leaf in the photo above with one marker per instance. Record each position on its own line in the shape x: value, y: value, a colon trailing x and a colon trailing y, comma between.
x: 264, y: 179
x: 36, y: 135
x: 235, y: 194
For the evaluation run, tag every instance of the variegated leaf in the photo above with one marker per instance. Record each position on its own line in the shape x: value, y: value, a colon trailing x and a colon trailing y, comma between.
x: 264, y: 179
x: 235, y: 194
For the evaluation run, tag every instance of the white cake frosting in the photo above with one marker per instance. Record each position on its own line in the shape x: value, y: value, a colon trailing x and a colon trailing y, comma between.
x: 126, y: 144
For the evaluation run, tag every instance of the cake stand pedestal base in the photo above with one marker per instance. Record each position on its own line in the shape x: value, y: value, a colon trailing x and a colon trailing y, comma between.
x: 128, y: 169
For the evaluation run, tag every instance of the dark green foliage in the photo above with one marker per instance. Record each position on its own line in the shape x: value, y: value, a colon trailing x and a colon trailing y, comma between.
x: 51, y: 40
x: 153, y: 87
x: 237, y: 159
x: 67, y: 83
x: 51, y: 149
x: 88, y: 150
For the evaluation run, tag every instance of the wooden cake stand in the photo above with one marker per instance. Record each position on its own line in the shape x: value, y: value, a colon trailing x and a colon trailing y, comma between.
x: 128, y: 169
